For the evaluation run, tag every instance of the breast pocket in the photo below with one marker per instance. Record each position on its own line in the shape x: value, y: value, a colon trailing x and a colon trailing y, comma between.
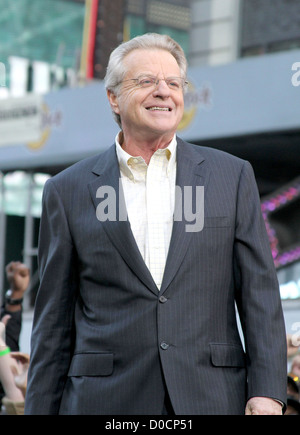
x: 91, y: 364
x: 216, y: 222
x: 227, y: 355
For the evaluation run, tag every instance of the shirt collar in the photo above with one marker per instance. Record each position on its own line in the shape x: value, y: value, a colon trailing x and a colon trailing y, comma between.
x: 124, y: 157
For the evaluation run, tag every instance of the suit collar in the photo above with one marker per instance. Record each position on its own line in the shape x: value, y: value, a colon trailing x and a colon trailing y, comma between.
x: 189, y: 153
x: 106, y: 161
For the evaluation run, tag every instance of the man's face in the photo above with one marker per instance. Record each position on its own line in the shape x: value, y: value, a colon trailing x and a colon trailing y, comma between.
x: 153, y: 111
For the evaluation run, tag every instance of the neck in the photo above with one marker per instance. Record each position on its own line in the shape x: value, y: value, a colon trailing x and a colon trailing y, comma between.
x: 144, y: 148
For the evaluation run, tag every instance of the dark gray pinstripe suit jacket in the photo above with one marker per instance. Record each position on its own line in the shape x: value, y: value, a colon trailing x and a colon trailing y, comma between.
x: 104, y: 341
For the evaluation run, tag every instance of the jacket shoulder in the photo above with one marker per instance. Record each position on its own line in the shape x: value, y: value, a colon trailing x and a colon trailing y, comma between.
x: 214, y: 157
x: 214, y: 154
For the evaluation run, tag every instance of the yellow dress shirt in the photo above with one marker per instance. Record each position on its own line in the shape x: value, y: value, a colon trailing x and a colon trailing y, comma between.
x: 149, y: 192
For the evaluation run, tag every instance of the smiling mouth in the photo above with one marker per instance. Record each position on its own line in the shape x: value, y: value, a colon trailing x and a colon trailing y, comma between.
x: 159, y: 109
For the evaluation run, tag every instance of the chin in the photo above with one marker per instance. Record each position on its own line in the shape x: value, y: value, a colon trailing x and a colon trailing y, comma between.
x: 163, y: 127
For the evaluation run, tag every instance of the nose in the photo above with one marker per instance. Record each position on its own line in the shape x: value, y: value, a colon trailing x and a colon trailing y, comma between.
x: 161, y: 89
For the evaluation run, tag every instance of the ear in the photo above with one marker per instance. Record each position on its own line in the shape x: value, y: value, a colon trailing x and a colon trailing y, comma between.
x: 113, y: 101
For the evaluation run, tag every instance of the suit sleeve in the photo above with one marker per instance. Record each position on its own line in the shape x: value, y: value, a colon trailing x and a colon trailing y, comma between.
x: 258, y: 296
x: 52, y: 333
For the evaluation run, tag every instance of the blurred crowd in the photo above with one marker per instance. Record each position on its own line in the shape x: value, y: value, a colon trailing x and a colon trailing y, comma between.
x: 14, y: 363
x: 293, y: 380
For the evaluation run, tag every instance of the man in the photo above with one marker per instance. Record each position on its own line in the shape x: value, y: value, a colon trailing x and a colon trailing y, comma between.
x: 137, y: 316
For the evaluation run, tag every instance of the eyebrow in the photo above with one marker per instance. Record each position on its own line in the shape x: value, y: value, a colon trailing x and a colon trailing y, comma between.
x: 156, y: 75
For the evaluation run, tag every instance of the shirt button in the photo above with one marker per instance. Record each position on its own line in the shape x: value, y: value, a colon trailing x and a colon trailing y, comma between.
x: 164, y: 345
x: 162, y: 299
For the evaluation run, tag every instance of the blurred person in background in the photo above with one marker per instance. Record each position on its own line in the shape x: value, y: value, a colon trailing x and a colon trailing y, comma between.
x: 137, y: 316
x: 13, y: 375
x: 295, y: 368
x: 18, y: 277
x: 292, y: 345
x: 293, y: 406
x: 292, y: 388
x: 13, y: 364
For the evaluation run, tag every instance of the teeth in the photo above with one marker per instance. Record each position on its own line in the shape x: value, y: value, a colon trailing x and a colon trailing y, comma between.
x: 164, y: 109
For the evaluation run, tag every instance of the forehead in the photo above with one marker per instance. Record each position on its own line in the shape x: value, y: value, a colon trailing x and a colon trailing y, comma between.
x: 152, y: 61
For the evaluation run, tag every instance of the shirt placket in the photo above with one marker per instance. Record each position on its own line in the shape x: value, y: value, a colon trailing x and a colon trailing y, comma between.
x: 158, y: 198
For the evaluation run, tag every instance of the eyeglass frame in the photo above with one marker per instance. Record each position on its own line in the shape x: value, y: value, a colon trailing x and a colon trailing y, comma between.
x: 155, y: 81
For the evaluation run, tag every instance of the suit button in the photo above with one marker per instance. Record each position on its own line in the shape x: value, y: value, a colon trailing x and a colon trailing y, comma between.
x: 162, y: 299
x: 164, y: 345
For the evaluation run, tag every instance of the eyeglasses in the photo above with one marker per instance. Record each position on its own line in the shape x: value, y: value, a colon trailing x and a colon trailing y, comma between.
x: 174, y: 83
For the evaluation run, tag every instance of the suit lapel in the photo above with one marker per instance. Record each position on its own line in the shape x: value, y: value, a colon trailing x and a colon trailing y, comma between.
x: 192, y: 170
x: 119, y: 231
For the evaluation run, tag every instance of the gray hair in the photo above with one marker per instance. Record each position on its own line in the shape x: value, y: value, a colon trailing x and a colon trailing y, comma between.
x: 116, y: 70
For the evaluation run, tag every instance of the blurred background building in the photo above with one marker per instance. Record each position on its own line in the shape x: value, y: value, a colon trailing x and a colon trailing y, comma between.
x: 244, y: 74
